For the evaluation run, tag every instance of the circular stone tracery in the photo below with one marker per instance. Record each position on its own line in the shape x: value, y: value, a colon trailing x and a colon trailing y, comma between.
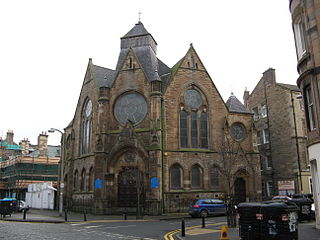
x: 238, y: 131
x: 132, y: 107
x: 193, y: 98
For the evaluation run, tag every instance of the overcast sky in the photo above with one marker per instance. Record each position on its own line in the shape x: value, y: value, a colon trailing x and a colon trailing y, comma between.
x: 45, y: 46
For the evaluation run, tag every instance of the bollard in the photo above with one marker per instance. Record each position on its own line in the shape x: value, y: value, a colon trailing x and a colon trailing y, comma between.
x: 125, y: 216
x: 65, y: 215
x: 24, y: 214
x: 183, y: 228
x: 84, y: 216
x: 249, y: 232
x: 203, y: 222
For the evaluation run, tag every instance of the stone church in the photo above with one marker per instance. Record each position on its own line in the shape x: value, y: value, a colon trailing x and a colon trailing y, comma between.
x: 156, y: 137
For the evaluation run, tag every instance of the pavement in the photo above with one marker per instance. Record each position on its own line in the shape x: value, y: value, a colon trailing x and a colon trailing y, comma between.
x: 52, y: 216
x: 194, y: 232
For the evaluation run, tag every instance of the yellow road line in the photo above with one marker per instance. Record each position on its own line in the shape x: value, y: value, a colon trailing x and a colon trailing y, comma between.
x: 169, y: 235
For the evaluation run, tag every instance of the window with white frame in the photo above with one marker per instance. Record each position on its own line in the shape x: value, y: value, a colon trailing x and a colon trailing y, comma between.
x: 269, y: 188
x: 259, y: 142
x: 309, y: 107
x: 268, y: 162
x: 256, y: 113
x: 299, y: 33
x: 266, y: 137
x: 264, y: 111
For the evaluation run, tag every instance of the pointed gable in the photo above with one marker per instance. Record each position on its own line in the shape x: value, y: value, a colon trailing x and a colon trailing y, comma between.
x: 234, y: 105
x: 137, y: 30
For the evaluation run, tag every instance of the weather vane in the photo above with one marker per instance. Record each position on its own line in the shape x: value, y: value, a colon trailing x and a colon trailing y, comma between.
x: 140, y: 16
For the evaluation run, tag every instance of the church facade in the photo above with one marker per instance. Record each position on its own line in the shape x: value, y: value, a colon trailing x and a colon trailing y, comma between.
x: 156, y: 137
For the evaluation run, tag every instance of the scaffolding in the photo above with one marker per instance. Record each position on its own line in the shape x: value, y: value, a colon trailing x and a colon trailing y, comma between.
x: 17, y: 173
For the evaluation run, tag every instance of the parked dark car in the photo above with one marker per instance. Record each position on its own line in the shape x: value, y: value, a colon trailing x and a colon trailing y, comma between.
x: 7, y: 206
x: 207, y: 207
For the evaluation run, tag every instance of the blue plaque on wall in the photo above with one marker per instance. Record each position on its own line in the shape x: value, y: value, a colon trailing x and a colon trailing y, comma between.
x: 98, y: 183
x: 154, y: 182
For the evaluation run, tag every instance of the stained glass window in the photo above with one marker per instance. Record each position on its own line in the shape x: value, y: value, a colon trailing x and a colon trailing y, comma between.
x: 203, y: 130
x: 194, y: 130
x: 183, y: 129
x: 193, y: 98
x: 130, y: 107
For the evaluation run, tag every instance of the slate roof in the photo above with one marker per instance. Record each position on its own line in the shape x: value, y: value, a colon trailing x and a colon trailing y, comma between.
x: 289, y: 86
x: 234, y: 105
x: 137, y: 30
x: 53, y: 151
x: 104, y: 76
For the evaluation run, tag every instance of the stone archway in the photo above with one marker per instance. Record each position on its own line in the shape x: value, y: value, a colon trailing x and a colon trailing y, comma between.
x: 239, y: 190
x: 131, y: 187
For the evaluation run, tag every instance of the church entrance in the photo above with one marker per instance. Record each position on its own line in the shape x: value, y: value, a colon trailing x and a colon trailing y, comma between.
x: 239, y: 190
x: 130, y: 187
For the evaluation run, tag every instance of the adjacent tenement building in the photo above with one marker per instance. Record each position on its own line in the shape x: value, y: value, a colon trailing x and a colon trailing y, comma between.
x: 23, y: 164
x: 306, y: 23
x: 281, y: 136
x: 149, y: 135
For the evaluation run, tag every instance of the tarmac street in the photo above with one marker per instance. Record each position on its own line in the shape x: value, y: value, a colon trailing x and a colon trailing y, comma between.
x: 41, y: 224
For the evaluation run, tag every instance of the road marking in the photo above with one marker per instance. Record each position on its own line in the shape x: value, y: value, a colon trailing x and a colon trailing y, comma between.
x: 199, y: 231
x: 169, y: 235
x: 92, y: 226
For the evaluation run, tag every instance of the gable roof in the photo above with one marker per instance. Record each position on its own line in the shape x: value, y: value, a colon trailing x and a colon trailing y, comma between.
x: 234, y: 105
x: 289, y: 86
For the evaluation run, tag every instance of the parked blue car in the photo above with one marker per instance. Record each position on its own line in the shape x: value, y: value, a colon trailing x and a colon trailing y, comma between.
x: 207, y: 207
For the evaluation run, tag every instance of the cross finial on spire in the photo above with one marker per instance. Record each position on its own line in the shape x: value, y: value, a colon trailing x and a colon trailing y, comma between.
x: 139, y: 16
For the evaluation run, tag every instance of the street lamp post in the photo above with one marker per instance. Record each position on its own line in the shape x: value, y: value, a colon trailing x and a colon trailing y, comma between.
x: 52, y: 130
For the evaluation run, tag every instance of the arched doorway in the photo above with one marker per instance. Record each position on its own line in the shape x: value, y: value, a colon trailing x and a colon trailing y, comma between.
x: 130, y: 187
x: 239, y: 190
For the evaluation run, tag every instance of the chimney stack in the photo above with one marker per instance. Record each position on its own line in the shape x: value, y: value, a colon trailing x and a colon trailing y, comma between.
x: 25, y: 145
x: 9, y: 138
x: 269, y: 77
x: 246, y: 95
x: 43, y: 144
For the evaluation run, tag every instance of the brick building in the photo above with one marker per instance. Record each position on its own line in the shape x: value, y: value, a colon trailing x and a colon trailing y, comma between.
x: 306, y: 23
x: 149, y: 135
x: 281, y: 136
x: 23, y: 164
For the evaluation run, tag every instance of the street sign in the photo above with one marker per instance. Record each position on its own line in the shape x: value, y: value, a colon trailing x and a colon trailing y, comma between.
x: 98, y: 183
x: 154, y: 182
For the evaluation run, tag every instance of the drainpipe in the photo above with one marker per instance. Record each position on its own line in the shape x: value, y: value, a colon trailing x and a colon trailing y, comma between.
x: 297, y: 142
x: 162, y: 156
x: 270, y: 145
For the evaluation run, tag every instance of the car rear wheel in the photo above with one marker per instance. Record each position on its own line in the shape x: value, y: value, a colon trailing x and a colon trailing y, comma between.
x: 204, y: 213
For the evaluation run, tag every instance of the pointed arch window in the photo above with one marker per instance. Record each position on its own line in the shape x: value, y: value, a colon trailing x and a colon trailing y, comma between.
x: 194, y: 121
x: 214, y: 177
x: 75, y: 181
x: 196, y: 177
x: 83, y: 181
x: 194, y: 130
x: 203, y: 130
x: 86, y: 127
x: 176, y: 177
x: 183, y: 129
x: 91, y: 179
